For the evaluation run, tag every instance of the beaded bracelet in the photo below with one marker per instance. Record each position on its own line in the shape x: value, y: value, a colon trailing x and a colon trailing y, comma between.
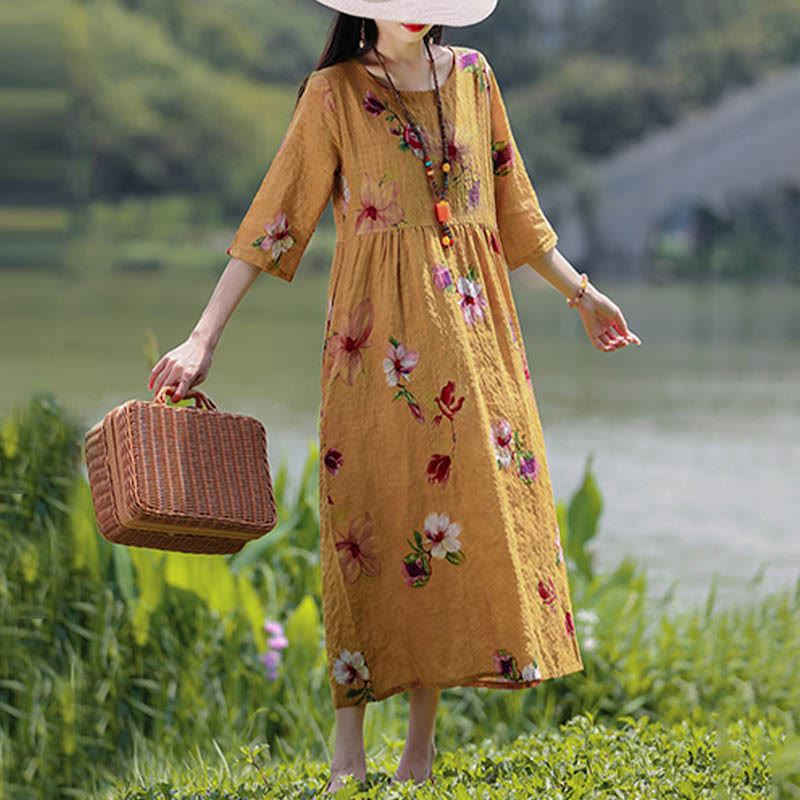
x: 575, y: 299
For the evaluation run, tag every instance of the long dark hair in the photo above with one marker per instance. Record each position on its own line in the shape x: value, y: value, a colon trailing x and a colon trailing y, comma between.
x: 344, y: 35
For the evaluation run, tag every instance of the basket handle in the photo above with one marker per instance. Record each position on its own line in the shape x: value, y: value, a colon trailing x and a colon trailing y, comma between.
x: 200, y: 398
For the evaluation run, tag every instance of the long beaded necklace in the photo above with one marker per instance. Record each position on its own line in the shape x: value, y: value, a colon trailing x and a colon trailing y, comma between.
x: 441, y: 206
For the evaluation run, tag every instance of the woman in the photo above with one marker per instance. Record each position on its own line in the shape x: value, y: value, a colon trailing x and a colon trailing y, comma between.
x: 440, y: 551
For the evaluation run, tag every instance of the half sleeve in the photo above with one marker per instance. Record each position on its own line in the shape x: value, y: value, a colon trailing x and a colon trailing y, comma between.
x: 525, y: 232
x: 283, y: 215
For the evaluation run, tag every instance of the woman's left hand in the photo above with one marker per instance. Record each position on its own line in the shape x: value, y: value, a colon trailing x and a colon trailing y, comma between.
x: 605, y: 326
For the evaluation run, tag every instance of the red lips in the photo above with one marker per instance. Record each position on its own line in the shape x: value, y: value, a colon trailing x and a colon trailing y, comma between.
x: 413, y: 28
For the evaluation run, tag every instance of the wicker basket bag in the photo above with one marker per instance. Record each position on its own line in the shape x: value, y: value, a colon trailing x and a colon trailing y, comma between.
x: 188, y: 478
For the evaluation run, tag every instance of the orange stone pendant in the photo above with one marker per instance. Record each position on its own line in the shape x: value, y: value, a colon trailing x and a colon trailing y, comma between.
x: 442, y: 211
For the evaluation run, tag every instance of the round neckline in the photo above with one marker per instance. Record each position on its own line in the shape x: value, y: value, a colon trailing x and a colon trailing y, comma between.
x: 442, y: 86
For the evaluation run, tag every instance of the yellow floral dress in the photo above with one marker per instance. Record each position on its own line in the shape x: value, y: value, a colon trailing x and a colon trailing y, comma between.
x: 440, y: 552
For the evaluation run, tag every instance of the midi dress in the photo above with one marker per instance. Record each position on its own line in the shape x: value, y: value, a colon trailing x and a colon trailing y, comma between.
x: 440, y: 554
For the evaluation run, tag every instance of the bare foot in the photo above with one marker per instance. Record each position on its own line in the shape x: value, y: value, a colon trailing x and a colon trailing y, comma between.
x: 337, y: 773
x: 418, y: 768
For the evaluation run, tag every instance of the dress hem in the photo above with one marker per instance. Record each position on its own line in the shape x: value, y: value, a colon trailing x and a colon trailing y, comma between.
x: 478, y: 680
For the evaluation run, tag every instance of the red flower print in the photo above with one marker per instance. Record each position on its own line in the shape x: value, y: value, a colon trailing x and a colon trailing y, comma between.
x: 416, y: 569
x: 439, y: 468
x: 569, y: 624
x: 356, y: 552
x: 333, y: 460
x: 547, y: 593
x: 345, y: 347
x: 379, y: 210
x: 330, y: 500
x: 372, y: 104
x: 495, y: 243
x: 505, y: 665
x: 502, y: 157
x: 411, y: 141
x: 446, y: 398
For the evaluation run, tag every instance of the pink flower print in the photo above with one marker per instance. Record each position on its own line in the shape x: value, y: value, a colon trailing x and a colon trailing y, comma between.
x: 443, y: 534
x: 378, y: 207
x: 333, y: 460
x: 416, y: 411
x: 501, y: 439
x: 441, y: 276
x: 474, y: 194
x: 513, y: 330
x: 399, y: 363
x: 528, y: 467
x: 473, y: 301
x: 559, y: 548
x: 345, y: 347
x: 569, y: 624
x: 547, y: 593
x: 525, y: 367
x: 458, y: 151
x: 502, y: 157
x: 278, y: 239
x: 356, y: 550
x: 372, y: 104
x: 327, y: 98
x: 505, y: 665
x: 466, y: 60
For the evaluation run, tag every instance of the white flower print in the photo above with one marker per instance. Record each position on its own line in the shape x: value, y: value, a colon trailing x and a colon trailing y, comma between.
x: 530, y: 672
x: 473, y: 300
x: 399, y: 362
x: 345, y: 194
x: 278, y: 238
x: 348, y: 665
x: 443, y: 534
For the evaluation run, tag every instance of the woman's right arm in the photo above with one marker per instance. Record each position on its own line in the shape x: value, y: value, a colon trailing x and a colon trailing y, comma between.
x: 189, y: 363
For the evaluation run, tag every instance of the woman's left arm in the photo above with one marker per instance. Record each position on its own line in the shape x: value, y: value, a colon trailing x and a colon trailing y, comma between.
x: 602, y: 319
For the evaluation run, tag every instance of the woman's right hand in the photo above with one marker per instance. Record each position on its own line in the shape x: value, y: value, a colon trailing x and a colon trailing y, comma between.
x: 184, y: 366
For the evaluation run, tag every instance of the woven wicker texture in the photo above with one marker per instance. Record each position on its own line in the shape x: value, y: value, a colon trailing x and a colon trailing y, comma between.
x: 180, y: 478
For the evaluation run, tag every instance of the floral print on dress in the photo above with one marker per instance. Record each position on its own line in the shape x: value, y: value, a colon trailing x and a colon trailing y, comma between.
x: 333, y: 460
x: 547, y: 592
x: 569, y: 624
x: 398, y: 365
x: 351, y: 668
x: 277, y: 238
x: 440, y: 541
x: 357, y: 550
x: 379, y: 209
x: 345, y: 189
x: 502, y: 157
x: 344, y: 347
x: 505, y: 665
x: 559, y: 548
x: 472, y: 300
x: 519, y: 346
x: 470, y: 62
x: 502, y: 435
x: 438, y: 469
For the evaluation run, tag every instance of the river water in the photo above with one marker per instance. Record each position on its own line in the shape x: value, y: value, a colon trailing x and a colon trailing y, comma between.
x: 695, y: 435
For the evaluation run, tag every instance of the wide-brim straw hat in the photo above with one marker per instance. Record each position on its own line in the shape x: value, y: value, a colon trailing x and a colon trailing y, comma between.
x: 455, y: 13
